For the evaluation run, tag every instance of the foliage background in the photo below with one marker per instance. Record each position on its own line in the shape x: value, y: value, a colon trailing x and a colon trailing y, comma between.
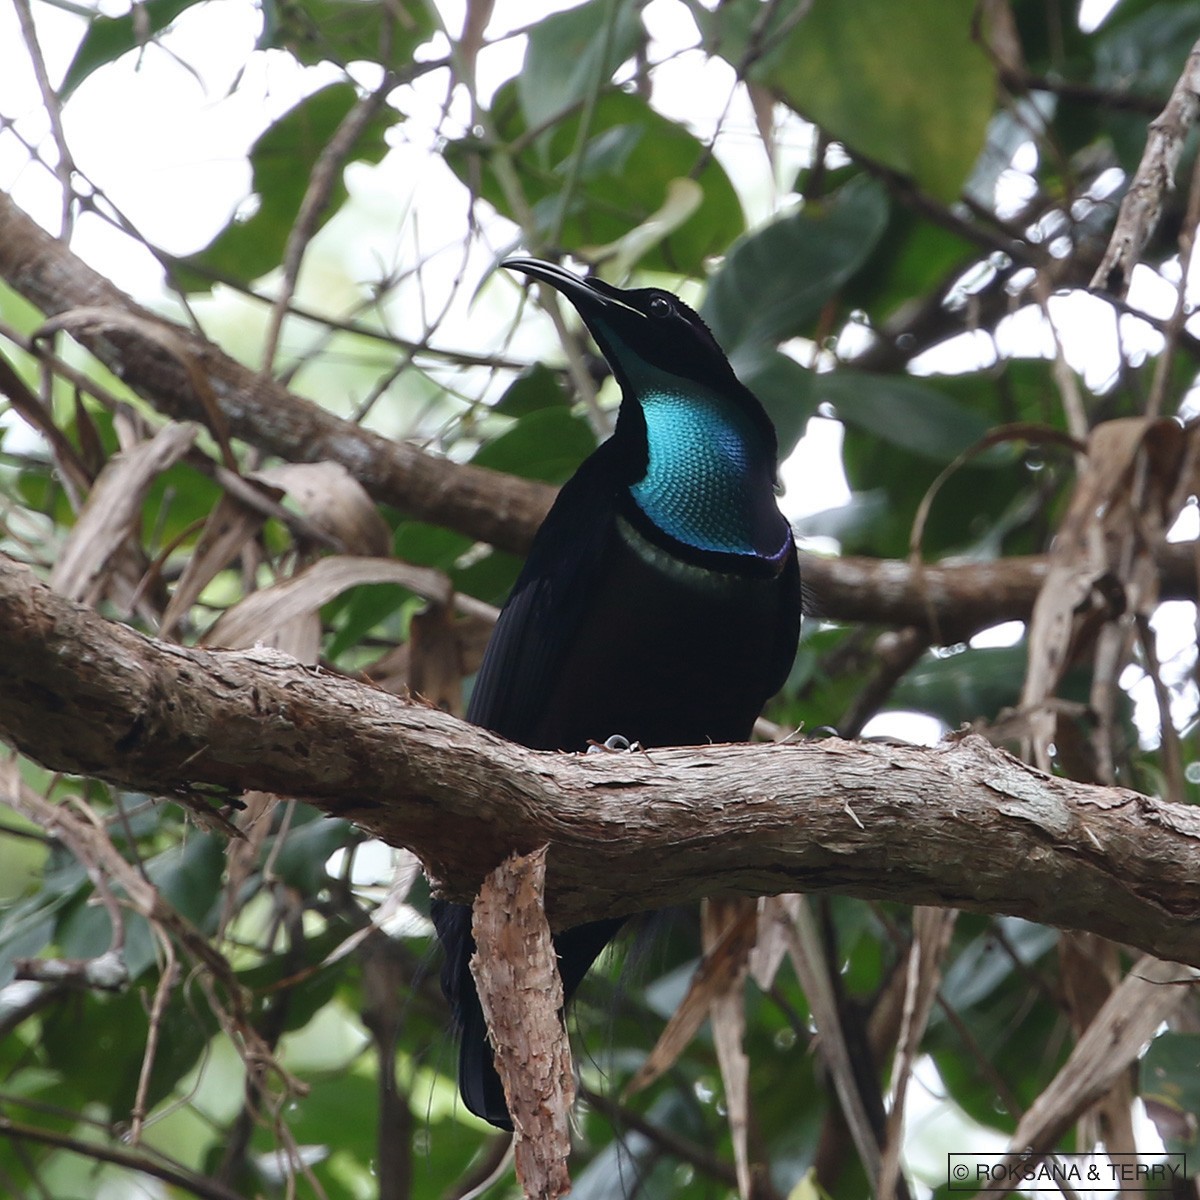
x: 889, y: 222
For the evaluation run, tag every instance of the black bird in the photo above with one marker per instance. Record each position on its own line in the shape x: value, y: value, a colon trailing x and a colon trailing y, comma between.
x: 661, y: 597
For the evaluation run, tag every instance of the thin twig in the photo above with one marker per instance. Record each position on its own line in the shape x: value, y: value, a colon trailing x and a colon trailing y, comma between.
x: 316, y: 196
x: 162, y: 995
x: 176, y: 1174
x: 1144, y: 200
x: 1157, y: 400
x: 50, y: 102
x: 667, y: 1141
x: 1171, y: 749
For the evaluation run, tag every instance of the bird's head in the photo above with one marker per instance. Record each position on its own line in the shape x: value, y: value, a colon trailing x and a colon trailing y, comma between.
x: 646, y: 324
x: 694, y: 445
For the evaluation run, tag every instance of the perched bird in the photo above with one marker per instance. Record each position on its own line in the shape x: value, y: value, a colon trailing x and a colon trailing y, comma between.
x: 661, y: 598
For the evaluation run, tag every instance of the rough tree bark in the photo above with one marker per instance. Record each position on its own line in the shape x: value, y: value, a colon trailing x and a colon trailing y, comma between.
x: 963, y: 824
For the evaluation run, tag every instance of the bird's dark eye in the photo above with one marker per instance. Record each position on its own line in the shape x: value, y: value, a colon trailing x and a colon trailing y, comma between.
x: 660, y: 306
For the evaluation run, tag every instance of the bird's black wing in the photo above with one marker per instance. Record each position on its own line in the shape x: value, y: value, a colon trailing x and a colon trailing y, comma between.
x: 519, y: 672
x: 537, y: 626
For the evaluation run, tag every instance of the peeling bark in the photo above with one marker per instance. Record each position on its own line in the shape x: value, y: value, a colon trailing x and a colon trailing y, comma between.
x: 521, y: 993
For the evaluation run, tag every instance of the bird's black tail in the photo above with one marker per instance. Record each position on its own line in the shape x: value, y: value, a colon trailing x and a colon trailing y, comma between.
x: 478, y: 1082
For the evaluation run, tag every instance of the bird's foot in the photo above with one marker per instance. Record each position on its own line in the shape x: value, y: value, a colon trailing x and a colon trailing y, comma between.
x: 616, y: 743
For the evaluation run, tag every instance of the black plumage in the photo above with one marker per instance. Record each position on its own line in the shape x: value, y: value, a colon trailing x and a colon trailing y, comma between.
x: 661, y: 598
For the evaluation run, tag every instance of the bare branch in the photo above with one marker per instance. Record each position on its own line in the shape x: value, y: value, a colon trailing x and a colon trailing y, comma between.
x: 949, y: 600
x: 164, y: 1169
x: 1155, y: 176
x: 962, y: 825
x: 317, y: 194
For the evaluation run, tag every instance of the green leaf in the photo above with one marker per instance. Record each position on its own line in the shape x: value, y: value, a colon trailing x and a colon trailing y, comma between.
x: 902, y: 411
x: 984, y: 965
x: 189, y: 876
x: 299, y: 982
x: 107, y: 38
x: 911, y: 258
x: 282, y: 159
x: 961, y: 687
x: 593, y: 190
x: 28, y: 927
x: 534, y: 389
x: 429, y: 545
x: 359, y: 611
x: 345, y: 1115
x: 1024, y: 391
x: 1142, y: 50
x: 574, y: 53
x: 774, y: 281
x: 991, y: 985
x: 547, y: 444
x: 345, y: 31
x: 311, y: 839
x: 22, y: 861
x: 913, y: 91
x: 488, y: 578
x: 736, y: 30
x: 1170, y: 1074
x: 103, y: 1066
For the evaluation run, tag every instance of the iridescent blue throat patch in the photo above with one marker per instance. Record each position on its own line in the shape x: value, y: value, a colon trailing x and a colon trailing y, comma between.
x: 698, y: 481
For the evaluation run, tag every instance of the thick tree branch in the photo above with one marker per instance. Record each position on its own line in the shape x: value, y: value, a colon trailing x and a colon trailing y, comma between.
x: 963, y: 824
x: 950, y: 601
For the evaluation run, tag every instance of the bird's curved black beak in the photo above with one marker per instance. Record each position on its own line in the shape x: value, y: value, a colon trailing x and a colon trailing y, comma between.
x: 589, y: 296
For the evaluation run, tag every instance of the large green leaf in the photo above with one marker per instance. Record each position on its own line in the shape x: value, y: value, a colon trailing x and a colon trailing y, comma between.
x: 107, y: 38
x: 991, y: 985
x: 1143, y: 47
x: 103, y: 1067
x: 908, y: 87
x: 739, y: 30
x: 774, y: 281
x: 535, y: 388
x: 307, y: 844
x: 592, y: 190
x: 902, y: 411
x: 27, y: 927
x: 345, y: 31
x: 547, y: 444
x: 282, y: 160
x: 1142, y: 50
x: 188, y: 876
x: 574, y: 53
x: 911, y: 258
x: 965, y: 686
x: 890, y: 478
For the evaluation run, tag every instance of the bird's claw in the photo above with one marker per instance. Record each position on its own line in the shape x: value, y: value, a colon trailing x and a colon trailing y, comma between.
x: 615, y: 743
